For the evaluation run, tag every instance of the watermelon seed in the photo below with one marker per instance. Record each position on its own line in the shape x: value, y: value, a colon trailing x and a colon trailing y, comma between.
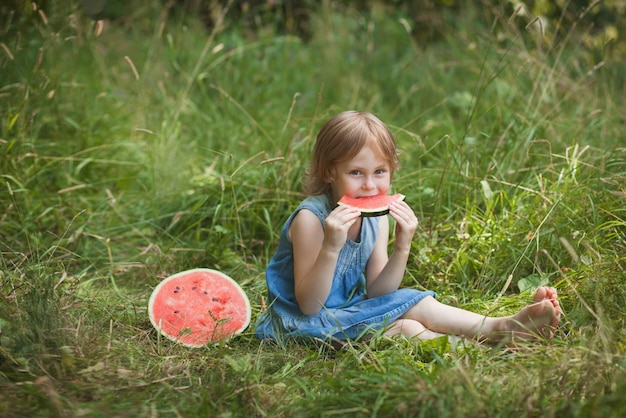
x: 194, y: 288
x: 206, y: 293
x: 176, y: 312
x: 215, y: 299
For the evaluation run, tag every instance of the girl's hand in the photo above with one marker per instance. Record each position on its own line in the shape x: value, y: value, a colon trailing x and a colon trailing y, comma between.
x: 337, y: 224
x: 406, y: 224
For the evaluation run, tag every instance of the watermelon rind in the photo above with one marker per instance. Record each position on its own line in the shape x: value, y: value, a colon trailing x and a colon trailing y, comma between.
x: 158, y: 325
x: 372, y: 212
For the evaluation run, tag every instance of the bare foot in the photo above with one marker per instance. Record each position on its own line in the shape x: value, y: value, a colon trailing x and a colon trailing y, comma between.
x: 549, y: 293
x: 537, y: 320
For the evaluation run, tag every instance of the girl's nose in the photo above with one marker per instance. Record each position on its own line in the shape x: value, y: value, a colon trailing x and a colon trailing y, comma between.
x: 368, y: 183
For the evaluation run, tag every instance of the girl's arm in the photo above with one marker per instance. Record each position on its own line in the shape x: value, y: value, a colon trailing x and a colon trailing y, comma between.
x: 384, y: 274
x: 315, y: 253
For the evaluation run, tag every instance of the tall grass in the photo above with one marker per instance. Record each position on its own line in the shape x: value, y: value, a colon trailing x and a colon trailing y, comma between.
x: 133, y: 149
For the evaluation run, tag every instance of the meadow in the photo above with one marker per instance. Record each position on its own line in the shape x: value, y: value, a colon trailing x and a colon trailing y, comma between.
x: 138, y: 147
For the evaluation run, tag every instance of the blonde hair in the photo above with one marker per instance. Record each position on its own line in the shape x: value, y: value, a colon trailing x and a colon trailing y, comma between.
x: 340, y: 139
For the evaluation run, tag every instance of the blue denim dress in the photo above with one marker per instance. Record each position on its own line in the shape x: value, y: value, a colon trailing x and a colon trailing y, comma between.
x: 348, y: 312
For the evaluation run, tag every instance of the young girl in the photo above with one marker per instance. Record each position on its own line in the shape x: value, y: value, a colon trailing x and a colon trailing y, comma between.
x: 331, y: 276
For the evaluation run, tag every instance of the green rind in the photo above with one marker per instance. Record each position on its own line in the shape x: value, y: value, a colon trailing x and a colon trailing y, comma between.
x: 374, y: 214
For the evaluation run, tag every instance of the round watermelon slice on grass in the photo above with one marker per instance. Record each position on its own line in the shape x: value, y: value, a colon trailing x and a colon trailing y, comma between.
x: 372, y: 205
x: 199, y: 306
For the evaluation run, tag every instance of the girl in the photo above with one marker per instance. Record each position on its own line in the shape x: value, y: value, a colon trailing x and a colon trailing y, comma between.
x: 331, y: 276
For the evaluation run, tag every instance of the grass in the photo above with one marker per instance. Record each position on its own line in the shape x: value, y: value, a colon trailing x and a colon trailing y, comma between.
x: 134, y: 151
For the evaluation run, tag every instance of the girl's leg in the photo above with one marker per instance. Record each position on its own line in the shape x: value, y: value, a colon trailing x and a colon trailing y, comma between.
x: 410, y: 328
x: 538, y: 318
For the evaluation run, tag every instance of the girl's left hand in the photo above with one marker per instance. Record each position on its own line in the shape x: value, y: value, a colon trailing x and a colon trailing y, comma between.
x: 406, y: 224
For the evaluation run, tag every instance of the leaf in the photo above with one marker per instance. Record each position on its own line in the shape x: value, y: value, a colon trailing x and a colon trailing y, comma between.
x: 532, y: 282
x: 98, y: 367
x: 486, y: 190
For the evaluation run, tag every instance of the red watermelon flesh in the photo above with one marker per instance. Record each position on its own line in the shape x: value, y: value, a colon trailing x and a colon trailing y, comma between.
x: 199, y: 306
x: 372, y: 205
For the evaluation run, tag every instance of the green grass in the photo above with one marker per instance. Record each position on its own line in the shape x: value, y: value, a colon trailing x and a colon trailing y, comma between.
x: 153, y: 147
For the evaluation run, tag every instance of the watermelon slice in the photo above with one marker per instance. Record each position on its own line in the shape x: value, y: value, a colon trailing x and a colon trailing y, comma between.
x: 196, y: 307
x: 372, y: 205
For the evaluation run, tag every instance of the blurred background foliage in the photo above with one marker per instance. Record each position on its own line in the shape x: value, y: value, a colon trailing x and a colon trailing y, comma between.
x: 601, y: 25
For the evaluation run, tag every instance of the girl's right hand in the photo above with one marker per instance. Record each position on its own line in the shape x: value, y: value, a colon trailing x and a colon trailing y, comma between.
x: 337, y: 224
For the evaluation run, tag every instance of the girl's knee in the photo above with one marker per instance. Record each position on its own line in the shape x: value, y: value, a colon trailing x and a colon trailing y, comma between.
x: 406, y: 327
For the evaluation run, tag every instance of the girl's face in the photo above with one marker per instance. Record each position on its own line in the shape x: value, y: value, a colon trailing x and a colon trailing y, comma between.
x: 364, y: 175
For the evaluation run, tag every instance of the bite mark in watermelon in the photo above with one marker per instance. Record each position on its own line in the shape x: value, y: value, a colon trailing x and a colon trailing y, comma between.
x: 372, y: 205
x: 199, y: 306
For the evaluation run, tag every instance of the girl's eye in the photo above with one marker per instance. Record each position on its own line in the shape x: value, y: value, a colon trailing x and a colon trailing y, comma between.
x: 381, y: 171
x: 355, y: 172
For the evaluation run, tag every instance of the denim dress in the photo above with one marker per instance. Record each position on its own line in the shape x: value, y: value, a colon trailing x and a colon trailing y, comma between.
x: 348, y: 312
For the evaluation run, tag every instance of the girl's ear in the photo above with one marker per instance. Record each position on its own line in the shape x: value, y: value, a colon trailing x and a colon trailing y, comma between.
x: 330, y: 176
